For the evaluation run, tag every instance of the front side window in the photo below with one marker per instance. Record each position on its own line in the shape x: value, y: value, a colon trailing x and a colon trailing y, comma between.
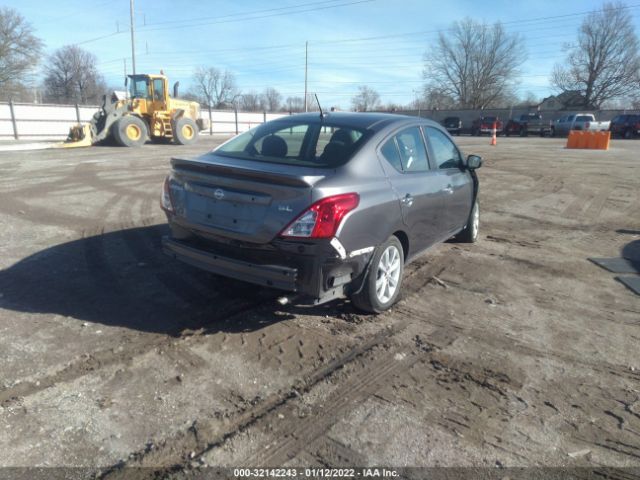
x: 445, y: 153
x: 305, y: 144
x: 139, y: 88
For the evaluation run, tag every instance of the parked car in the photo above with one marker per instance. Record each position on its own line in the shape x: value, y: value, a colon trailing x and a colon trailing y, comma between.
x: 577, y: 121
x: 453, y: 125
x: 323, y: 206
x: 526, y: 124
x: 486, y: 125
x: 625, y: 126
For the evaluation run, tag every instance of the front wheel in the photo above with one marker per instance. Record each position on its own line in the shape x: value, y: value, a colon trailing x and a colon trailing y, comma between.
x: 383, y: 279
x: 130, y: 131
x: 471, y: 229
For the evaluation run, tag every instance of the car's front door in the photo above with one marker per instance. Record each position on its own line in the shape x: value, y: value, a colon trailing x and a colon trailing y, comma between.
x: 457, y: 184
x: 415, y: 185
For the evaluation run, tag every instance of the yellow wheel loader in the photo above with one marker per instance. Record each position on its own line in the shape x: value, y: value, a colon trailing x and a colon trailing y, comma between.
x: 148, y: 112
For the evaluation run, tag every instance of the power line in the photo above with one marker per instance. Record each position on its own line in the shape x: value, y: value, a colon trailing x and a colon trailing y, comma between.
x: 259, y: 17
x: 244, y: 14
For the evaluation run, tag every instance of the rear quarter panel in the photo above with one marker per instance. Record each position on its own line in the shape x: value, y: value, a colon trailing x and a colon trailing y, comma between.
x: 378, y: 214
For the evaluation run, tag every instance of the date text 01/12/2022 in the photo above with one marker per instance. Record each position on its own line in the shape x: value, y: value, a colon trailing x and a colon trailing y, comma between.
x: 315, y: 473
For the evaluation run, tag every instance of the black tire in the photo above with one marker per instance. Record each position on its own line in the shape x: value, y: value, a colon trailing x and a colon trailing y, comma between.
x: 370, y: 298
x: 523, y: 132
x: 130, y: 131
x: 552, y: 132
x: 185, y: 131
x: 471, y: 229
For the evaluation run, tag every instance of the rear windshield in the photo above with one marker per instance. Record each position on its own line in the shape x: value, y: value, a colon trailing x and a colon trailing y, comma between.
x: 489, y: 119
x: 304, y: 144
x: 584, y: 118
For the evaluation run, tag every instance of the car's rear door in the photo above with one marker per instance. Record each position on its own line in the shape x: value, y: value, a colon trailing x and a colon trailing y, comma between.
x: 416, y: 186
x: 457, y: 184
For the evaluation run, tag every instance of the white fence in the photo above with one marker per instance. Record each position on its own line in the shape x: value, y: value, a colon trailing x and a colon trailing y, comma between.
x: 27, y: 121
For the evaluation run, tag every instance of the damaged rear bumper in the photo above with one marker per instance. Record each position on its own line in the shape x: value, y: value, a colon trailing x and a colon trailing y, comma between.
x: 316, y: 272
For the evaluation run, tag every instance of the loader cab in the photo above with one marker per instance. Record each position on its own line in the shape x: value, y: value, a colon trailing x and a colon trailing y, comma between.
x: 152, y: 88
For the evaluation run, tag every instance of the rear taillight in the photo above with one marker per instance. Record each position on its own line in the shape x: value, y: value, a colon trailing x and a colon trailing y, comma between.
x: 166, y: 202
x: 323, y: 218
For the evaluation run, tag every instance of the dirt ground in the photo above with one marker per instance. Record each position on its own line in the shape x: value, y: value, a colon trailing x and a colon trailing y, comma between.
x: 512, y: 352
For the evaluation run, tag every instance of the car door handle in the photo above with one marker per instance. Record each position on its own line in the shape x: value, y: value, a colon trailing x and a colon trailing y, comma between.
x: 407, y: 200
x: 448, y: 189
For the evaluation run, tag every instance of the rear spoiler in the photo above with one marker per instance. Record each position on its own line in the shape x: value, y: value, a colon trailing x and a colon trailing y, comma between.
x: 194, y: 168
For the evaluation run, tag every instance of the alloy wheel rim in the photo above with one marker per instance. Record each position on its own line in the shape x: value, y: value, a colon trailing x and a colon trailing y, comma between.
x: 388, y: 274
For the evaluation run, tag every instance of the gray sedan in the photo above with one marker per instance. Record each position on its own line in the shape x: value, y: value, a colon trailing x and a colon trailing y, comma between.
x: 323, y: 206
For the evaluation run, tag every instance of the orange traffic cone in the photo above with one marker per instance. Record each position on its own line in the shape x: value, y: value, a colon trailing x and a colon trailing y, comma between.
x: 494, y: 138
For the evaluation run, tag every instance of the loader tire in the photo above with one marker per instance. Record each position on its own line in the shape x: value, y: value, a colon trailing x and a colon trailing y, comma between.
x: 130, y: 131
x: 185, y: 131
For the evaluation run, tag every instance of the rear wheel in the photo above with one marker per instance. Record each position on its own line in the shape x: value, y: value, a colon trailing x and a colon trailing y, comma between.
x: 185, y: 131
x: 130, y: 131
x: 383, y: 280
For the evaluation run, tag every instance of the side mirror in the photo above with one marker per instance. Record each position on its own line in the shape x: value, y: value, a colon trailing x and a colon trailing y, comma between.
x: 473, y: 162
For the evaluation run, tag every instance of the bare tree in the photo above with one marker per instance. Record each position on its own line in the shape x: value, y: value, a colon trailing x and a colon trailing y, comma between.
x: 20, y: 51
x: 367, y: 99
x: 214, y: 87
x: 437, y: 99
x: 294, y: 104
x: 605, y: 62
x: 72, y: 76
x: 250, y: 102
x: 271, y: 100
x: 529, y: 100
x: 474, y: 63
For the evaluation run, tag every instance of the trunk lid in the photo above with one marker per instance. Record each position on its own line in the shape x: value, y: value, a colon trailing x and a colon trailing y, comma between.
x: 241, y: 199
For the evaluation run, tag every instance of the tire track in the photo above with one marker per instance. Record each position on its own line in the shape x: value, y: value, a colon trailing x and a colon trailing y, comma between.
x: 298, y: 435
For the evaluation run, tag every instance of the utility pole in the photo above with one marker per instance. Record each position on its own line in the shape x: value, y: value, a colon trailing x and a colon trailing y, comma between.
x: 124, y: 60
x: 306, y: 58
x: 133, y: 40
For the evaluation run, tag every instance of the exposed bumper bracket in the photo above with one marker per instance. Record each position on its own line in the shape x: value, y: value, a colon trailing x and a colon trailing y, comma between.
x: 275, y: 276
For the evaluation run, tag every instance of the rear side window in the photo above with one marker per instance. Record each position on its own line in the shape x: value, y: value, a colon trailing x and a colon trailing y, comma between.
x: 445, y: 153
x: 390, y: 152
x: 413, y: 153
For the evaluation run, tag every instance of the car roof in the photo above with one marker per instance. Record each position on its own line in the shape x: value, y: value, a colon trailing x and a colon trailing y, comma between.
x: 360, y: 120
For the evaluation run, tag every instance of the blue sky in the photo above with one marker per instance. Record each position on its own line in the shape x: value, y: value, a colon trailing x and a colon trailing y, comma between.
x: 379, y: 43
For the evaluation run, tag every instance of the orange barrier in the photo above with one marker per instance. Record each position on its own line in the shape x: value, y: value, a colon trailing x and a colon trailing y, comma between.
x: 589, y: 140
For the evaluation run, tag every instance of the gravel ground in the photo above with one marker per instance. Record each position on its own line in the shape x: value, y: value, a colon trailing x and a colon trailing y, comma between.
x: 512, y: 352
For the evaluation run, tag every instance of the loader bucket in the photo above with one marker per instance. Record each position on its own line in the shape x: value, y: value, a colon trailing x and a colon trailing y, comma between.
x: 79, y: 136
